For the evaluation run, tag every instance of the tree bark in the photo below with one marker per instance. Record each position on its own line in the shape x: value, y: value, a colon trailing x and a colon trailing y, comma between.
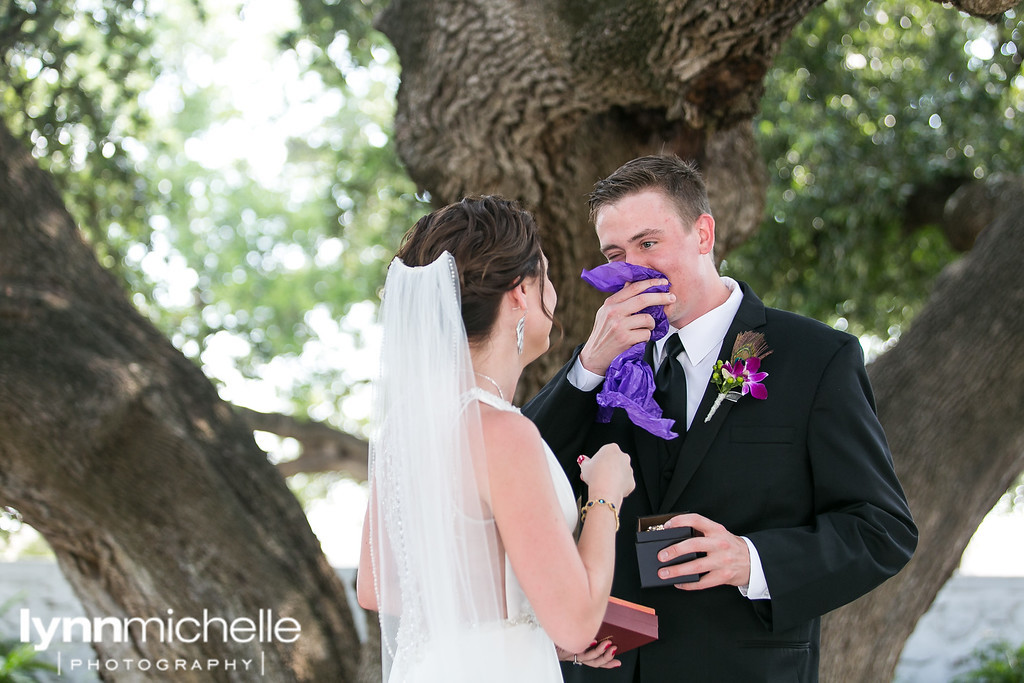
x: 150, y: 489
x: 539, y: 100
x: 950, y: 398
x: 985, y: 9
x: 973, y: 206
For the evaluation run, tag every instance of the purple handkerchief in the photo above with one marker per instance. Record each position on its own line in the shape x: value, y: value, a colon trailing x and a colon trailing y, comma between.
x: 629, y: 383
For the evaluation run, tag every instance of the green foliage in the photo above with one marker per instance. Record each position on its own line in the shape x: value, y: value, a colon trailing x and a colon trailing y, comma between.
x: 19, y: 541
x: 70, y: 79
x: 263, y: 249
x: 323, y: 21
x: 869, y: 111
x: 996, y: 662
x: 275, y: 252
x: 278, y: 260
x: 20, y: 662
x: 1013, y: 499
x: 245, y: 249
x: 10, y: 523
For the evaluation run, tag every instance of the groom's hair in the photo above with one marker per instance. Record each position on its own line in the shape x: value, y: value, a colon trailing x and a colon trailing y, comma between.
x: 680, y: 181
x: 496, y: 245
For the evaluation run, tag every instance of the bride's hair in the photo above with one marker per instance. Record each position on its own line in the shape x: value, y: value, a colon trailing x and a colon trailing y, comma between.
x: 496, y: 245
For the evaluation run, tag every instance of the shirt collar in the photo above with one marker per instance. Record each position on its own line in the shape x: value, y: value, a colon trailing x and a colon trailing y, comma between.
x: 706, y: 333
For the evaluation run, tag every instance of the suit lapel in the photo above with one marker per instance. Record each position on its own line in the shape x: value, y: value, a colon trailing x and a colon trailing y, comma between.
x: 701, y: 435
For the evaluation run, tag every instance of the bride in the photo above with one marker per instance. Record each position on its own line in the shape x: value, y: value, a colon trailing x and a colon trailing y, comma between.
x: 468, y: 552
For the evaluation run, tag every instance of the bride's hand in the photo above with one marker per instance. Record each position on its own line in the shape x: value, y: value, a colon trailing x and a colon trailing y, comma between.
x: 608, y: 473
x: 599, y: 656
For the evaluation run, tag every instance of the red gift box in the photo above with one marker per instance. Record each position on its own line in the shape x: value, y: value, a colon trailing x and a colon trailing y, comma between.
x: 628, y: 625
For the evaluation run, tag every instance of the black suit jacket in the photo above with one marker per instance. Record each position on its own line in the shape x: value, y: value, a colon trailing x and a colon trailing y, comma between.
x: 805, y: 474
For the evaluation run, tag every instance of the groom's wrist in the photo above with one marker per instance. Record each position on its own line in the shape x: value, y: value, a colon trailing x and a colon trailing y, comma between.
x: 583, y: 379
x: 592, y: 365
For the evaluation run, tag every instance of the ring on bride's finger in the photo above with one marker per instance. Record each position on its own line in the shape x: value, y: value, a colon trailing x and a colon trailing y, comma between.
x: 576, y: 662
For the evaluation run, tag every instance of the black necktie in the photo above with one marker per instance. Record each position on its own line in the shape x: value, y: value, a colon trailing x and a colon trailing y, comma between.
x: 670, y: 386
x: 670, y: 393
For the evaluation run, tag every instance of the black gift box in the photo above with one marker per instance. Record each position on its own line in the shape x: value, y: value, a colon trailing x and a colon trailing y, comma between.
x: 649, y: 542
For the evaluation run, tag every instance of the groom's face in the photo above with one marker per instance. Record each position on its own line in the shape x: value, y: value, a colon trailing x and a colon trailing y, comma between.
x: 645, y: 229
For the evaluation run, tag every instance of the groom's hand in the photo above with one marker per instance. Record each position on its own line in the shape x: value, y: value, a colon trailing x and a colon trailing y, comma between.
x: 616, y: 327
x: 726, y: 561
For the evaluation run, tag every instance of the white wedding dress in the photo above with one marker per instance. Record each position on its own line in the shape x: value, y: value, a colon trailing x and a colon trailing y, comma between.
x: 515, y: 650
x: 450, y: 607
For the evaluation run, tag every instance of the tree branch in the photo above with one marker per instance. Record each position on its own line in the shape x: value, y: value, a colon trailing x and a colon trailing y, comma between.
x: 975, y: 205
x: 985, y: 9
x: 324, y: 449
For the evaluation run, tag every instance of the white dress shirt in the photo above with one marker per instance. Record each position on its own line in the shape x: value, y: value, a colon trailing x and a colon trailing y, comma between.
x: 702, y: 342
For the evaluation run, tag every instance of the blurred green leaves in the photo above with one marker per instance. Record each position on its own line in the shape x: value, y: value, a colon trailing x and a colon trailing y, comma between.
x: 872, y: 113
x: 70, y: 79
x: 231, y: 162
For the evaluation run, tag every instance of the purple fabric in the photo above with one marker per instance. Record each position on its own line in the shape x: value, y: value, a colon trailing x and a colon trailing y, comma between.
x: 629, y: 382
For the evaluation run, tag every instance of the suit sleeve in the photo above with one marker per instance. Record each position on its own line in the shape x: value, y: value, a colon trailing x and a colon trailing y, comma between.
x: 862, y: 530
x: 564, y: 414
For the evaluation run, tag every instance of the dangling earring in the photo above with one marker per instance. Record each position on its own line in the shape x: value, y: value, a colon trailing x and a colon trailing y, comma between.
x: 520, y: 329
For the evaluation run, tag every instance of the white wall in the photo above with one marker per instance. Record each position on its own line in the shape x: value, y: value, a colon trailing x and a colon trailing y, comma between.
x: 967, y: 612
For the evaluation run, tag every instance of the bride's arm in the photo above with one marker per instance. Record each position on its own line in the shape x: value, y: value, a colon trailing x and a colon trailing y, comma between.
x: 567, y: 585
x: 365, y: 593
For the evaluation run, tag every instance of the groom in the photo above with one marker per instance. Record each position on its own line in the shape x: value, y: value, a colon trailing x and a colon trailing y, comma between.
x: 795, y: 493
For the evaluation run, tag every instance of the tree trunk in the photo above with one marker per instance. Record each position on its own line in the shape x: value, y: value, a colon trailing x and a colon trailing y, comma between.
x: 539, y: 100
x: 150, y: 490
x: 950, y: 398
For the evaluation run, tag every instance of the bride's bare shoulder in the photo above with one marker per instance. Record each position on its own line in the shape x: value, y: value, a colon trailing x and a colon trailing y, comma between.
x: 506, y: 432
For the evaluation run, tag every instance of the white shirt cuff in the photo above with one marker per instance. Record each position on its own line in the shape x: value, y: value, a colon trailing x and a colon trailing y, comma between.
x: 757, y: 589
x: 583, y: 379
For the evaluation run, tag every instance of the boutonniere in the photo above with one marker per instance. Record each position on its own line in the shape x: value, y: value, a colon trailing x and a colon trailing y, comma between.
x: 739, y: 376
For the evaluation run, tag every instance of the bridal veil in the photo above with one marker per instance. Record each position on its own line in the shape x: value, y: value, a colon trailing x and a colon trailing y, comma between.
x: 437, y: 563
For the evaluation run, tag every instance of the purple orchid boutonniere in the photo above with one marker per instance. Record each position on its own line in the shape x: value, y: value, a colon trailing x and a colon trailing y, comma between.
x: 740, y: 376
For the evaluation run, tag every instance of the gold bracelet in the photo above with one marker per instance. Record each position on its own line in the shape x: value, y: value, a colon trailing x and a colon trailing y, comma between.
x: 600, y: 501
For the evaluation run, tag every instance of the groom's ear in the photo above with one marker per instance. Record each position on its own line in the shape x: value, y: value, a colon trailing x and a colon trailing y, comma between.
x: 705, y: 227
